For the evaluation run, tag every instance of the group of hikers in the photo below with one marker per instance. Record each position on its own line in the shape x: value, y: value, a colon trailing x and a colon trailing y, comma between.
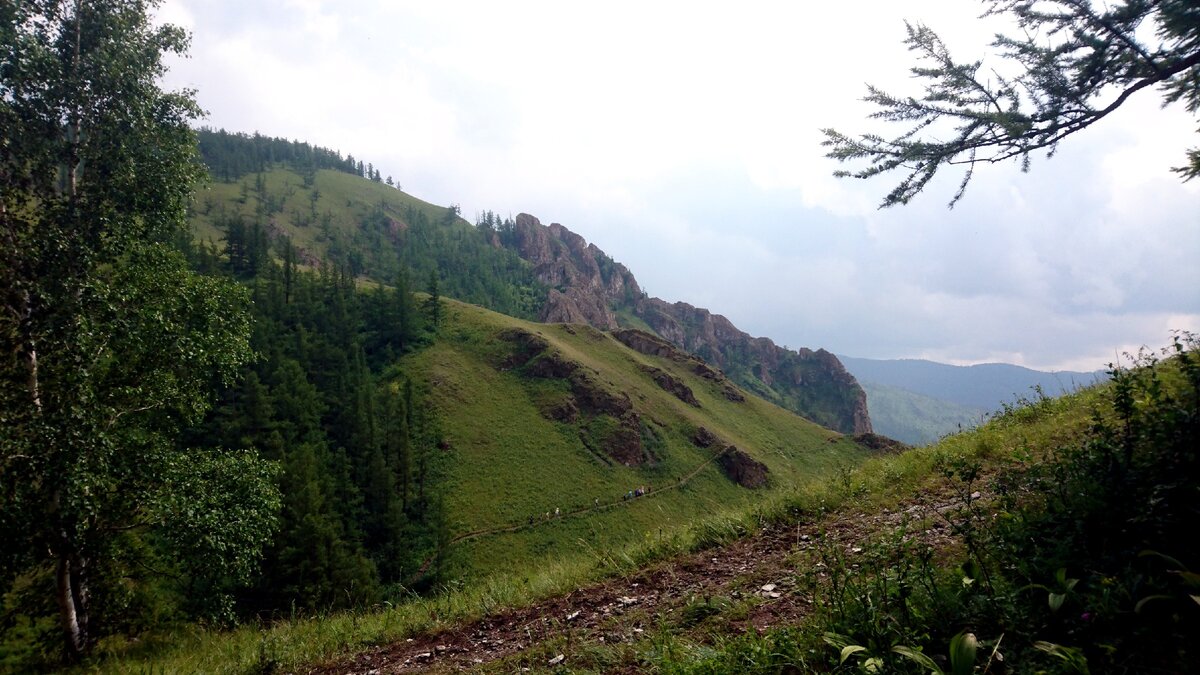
x: 635, y: 493
x: 639, y: 491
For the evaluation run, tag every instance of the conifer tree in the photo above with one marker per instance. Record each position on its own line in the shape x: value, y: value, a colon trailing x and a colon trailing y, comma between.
x: 433, y: 304
x: 1076, y: 63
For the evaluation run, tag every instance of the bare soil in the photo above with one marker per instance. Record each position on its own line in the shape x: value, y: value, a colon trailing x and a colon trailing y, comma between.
x: 759, y: 572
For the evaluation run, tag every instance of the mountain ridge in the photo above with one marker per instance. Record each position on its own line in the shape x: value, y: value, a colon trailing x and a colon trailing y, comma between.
x: 587, y: 286
x: 985, y: 386
x: 288, y: 196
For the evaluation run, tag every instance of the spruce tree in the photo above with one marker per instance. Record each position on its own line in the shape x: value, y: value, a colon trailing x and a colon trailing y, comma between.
x: 1076, y: 63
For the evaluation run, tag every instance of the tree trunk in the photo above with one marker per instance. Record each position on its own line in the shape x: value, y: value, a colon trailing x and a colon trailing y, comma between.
x: 73, y: 632
x: 81, y: 595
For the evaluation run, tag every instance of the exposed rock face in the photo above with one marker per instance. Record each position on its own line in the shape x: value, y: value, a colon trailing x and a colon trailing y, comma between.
x: 562, y: 411
x: 880, y: 443
x: 584, y: 282
x: 608, y: 424
x: 652, y: 345
x: 703, y: 438
x: 812, y: 383
x: 672, y: 384
x: 742, y: 468
x: 587, y: 286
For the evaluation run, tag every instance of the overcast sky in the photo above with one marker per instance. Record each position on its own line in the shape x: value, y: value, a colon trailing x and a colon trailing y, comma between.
x: 683, y: 139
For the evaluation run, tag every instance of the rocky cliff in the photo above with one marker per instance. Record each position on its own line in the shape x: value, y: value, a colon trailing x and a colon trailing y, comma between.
x: 587, y: 286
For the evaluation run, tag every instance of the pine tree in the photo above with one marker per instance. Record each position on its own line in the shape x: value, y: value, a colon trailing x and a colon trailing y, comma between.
x: 1070, y: 55
x: 433, y: 304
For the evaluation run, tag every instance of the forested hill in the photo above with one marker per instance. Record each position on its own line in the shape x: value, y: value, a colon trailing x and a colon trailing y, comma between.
x: 985, y: 386
x: 283, y: 198
x: 918, y: 401
x: 275, y: 197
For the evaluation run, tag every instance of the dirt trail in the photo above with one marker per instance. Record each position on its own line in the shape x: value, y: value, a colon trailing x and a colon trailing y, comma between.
x: 761, y: 567
x: 537, y: 522
x: 591, y: 509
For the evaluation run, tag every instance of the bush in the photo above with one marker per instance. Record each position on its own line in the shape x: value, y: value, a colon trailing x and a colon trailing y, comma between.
x: 1083, y: 561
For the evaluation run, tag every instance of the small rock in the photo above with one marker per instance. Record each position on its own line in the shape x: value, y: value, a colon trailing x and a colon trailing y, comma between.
x: 805, y: 537
x: 440, y: 649
x: 573, y: 615
x: 423, y: 655
x: 768, y: 587
x: 976, y: 495
x: 856, y: 549
x: 626, y: 600
x: 557, y: 660
x: 774, y: 595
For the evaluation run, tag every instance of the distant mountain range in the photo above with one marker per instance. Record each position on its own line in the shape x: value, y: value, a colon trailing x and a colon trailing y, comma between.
x: 919, y: 401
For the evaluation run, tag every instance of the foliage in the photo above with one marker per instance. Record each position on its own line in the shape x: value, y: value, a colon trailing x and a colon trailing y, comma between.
x: 364, y: 227
x: 359, y: 506
x: 914, y: 418
x: 110, y: 343
x: 291, y: 642
x: 1071, y: 574
x: 229, y: 156
x: 1076, y: 63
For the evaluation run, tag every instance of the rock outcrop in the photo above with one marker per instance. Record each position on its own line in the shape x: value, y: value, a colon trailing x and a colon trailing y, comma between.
x: 587, y: 286
x: 881, y: 444
x: 584, y: 282
x: 607, y: 423
x: 742, y: 468
x: 672, y: 384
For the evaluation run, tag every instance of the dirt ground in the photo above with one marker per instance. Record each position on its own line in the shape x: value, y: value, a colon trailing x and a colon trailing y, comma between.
x: 759, y: 571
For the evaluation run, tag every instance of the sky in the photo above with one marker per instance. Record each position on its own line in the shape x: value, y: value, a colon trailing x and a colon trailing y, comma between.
x: 683, y: 139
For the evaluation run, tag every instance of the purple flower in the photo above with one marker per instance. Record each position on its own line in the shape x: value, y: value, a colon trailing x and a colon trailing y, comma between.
x: 1086, y: 616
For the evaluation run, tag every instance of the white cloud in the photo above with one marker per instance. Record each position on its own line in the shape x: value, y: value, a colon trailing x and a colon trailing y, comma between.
x: 683, y: 138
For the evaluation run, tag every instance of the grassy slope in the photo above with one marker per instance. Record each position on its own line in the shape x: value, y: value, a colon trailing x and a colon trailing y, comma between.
x: 345, y: 197
x: 878, y: 483
x: 507, y: 461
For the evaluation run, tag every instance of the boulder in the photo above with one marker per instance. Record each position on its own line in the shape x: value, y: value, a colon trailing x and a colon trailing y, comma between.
x: 742, y: 468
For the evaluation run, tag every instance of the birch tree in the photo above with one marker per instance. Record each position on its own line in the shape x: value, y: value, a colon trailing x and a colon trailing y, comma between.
x: 108, y: 343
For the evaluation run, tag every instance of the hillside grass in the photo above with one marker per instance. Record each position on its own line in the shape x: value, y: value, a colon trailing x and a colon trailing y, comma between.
x: 343, y: 198
x: 506, y: 463
x: 879, y: 482
x: 1079, y: 560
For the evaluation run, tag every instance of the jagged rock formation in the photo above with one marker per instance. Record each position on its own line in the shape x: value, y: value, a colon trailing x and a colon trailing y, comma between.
x: 584, y: 282
x: 652, y: 345
x: 589, y: 287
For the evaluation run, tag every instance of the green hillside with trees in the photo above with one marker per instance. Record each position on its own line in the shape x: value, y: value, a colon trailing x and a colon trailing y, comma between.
x: 260, y: 203
x: 257, y: 399
x: 291, y: 418
x: 914, y: 418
